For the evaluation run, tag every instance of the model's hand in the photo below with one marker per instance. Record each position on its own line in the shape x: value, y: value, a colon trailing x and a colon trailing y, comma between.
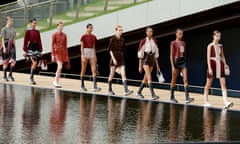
x: 173, y: 69
x: 226, y: 66
x: 158, y: 68
x: 210, y: 72
x: 24, y: 54
x: 114, y: 61
x: 4, y: 50
x: 52, y: 58
x: 140, y: 69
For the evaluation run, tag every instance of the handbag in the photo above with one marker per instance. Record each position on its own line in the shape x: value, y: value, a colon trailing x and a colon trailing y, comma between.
x: 160, y: 77
x: 67, y: 65
x: 44, y: 65
x: 227, y: 71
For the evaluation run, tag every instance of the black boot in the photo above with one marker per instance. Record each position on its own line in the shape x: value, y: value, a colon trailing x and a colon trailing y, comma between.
x: 32, y: 81
x: 126, y: 90
x: 139, y: 92
x: 95, y: 88
x: 110, y: 91
x: 5, y: 75
x: 154, y: 96
x: 188, y: 99
x: 83, y: 88
x: 172, y: 99
x: 10, y: 74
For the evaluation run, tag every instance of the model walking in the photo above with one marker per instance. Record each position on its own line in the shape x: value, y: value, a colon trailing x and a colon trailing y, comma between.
x: 8, y: 35
x: 88, y: 54
x: 216, y: 69
x: 116, y: 49
x: 59, y: 52
x: 32, y: 47
x: 148, y: 57
x: 178, y: 63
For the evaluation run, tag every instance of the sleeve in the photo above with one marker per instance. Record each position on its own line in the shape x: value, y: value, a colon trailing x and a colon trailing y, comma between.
x: 110, y: 45
x: 157, y: 49
x: 39, y: 42
x: 3, y: 33
x: 82, y: 38
x: 53, y: 43
x: 15, y: 34
x: 141, y: 49
x: 26, y: 39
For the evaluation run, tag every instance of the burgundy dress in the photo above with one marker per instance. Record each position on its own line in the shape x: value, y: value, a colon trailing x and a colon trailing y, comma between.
x: 59, y: 47
x: 117, y: 46
x: 216, y: 62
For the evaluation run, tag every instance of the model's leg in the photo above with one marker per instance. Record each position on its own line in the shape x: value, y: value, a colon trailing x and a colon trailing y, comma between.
x: 227, y: 104
x: 5, y: 66
x: 185, y: 81
x: 58, y: 74
x: 172, y: 86
x: 93, y: 64
x: 83, y: 71
x: 206, y: 91
x: 124, y: 80
x: 33, y: 68
x: 111, y: 75
x: 142, y: 85
x: 10, y: 75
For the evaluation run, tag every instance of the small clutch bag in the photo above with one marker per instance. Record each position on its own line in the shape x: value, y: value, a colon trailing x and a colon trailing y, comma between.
x: 227, y: 71
x: 160, y: 77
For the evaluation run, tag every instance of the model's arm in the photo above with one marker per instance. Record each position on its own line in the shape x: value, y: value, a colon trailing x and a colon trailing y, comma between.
x: 25, y: 43
x: 209, y: 60
x: 53, y: 44
x: 171, y: 56
x: 223, y: 58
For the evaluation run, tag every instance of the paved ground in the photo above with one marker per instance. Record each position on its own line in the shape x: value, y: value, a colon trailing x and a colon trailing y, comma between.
x: 74, y: 85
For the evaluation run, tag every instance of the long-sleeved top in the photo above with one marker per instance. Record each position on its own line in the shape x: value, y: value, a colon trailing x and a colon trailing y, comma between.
x: 32, y: 36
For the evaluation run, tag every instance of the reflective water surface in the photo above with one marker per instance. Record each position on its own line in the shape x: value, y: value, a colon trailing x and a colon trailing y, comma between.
x: 31, y: 115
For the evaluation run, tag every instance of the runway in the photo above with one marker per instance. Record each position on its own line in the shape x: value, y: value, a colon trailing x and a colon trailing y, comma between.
x: 73, y: 85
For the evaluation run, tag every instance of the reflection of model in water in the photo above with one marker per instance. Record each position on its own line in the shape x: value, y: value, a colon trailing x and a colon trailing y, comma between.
x: 216, y: 69
x: 116, y: 115
x: 86, y: 120
x: 148, y: 57
x: 8, y: 49
x: 7, y: 101
x: 178, y: 124
x: 215, y: 131
x: 31, y: 116
x: 178, y: 63
x: 58, y: 116
x: 149, y: 119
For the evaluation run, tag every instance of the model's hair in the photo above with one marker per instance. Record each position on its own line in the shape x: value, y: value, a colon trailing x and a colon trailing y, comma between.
x: 59, y: 23
x: 32, y: 20
x: 178, y: 30
x: 148, y: 28
x: 216, y: 32
x: 89, y: 25
x: 8, y: 18
x: 117, y: 27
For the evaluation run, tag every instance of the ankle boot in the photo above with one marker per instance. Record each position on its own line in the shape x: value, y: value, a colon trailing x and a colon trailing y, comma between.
x: 154, y: 96
x: 188, y: 99
x: 139, y: 92
x: 83, y: 88
x: 126, y: 90
x: 10, y: 74
x: 95, y: 88
x: 32, y: 81
x: 110, y: 91
x: 5, y: 75
x: 172, y: 97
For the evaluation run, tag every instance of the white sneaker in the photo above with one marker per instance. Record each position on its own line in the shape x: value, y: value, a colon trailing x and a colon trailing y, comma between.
x: 228, y: 105
x: 56, y: 85
x: 207, y: 105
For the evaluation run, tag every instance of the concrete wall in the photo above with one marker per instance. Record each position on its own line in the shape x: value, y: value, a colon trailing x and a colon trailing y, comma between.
x: 150, y: 13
